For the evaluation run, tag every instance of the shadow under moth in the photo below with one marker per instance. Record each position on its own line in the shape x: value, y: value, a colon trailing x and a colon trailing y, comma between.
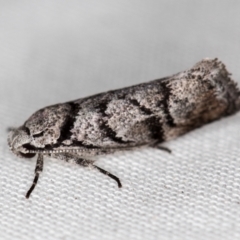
x: 142, y: 115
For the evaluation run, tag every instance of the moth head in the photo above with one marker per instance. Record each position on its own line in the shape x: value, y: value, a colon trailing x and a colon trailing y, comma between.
x: 17, y: 138
x: 41, y: 131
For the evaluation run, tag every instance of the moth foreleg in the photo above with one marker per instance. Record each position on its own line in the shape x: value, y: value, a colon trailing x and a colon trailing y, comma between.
x: 38, y: 170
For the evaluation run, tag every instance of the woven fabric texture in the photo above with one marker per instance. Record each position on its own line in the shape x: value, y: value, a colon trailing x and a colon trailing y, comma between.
x: 56, y: 51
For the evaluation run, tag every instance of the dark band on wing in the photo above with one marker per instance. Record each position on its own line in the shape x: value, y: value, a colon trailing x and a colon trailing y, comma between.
x: 108, y: 131
x: 155, y: 128
x: 69, y: 123
x: 165, y: 103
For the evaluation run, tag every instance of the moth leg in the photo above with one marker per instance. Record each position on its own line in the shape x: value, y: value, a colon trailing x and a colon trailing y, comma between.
x: 109, y: 175
x: 156, y: 145
x: 164, y: 149
x: 38, y: 170
x: 87, y: 163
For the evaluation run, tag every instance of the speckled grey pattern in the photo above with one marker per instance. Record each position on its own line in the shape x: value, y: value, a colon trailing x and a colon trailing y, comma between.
x: 54, y: 52
x: 147, y: 114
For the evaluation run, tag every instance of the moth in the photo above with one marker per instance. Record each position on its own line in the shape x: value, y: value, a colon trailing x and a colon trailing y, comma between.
x: 147, y: 114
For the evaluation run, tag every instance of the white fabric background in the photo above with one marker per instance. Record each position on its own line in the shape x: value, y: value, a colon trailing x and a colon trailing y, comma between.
x: 55, y: 51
